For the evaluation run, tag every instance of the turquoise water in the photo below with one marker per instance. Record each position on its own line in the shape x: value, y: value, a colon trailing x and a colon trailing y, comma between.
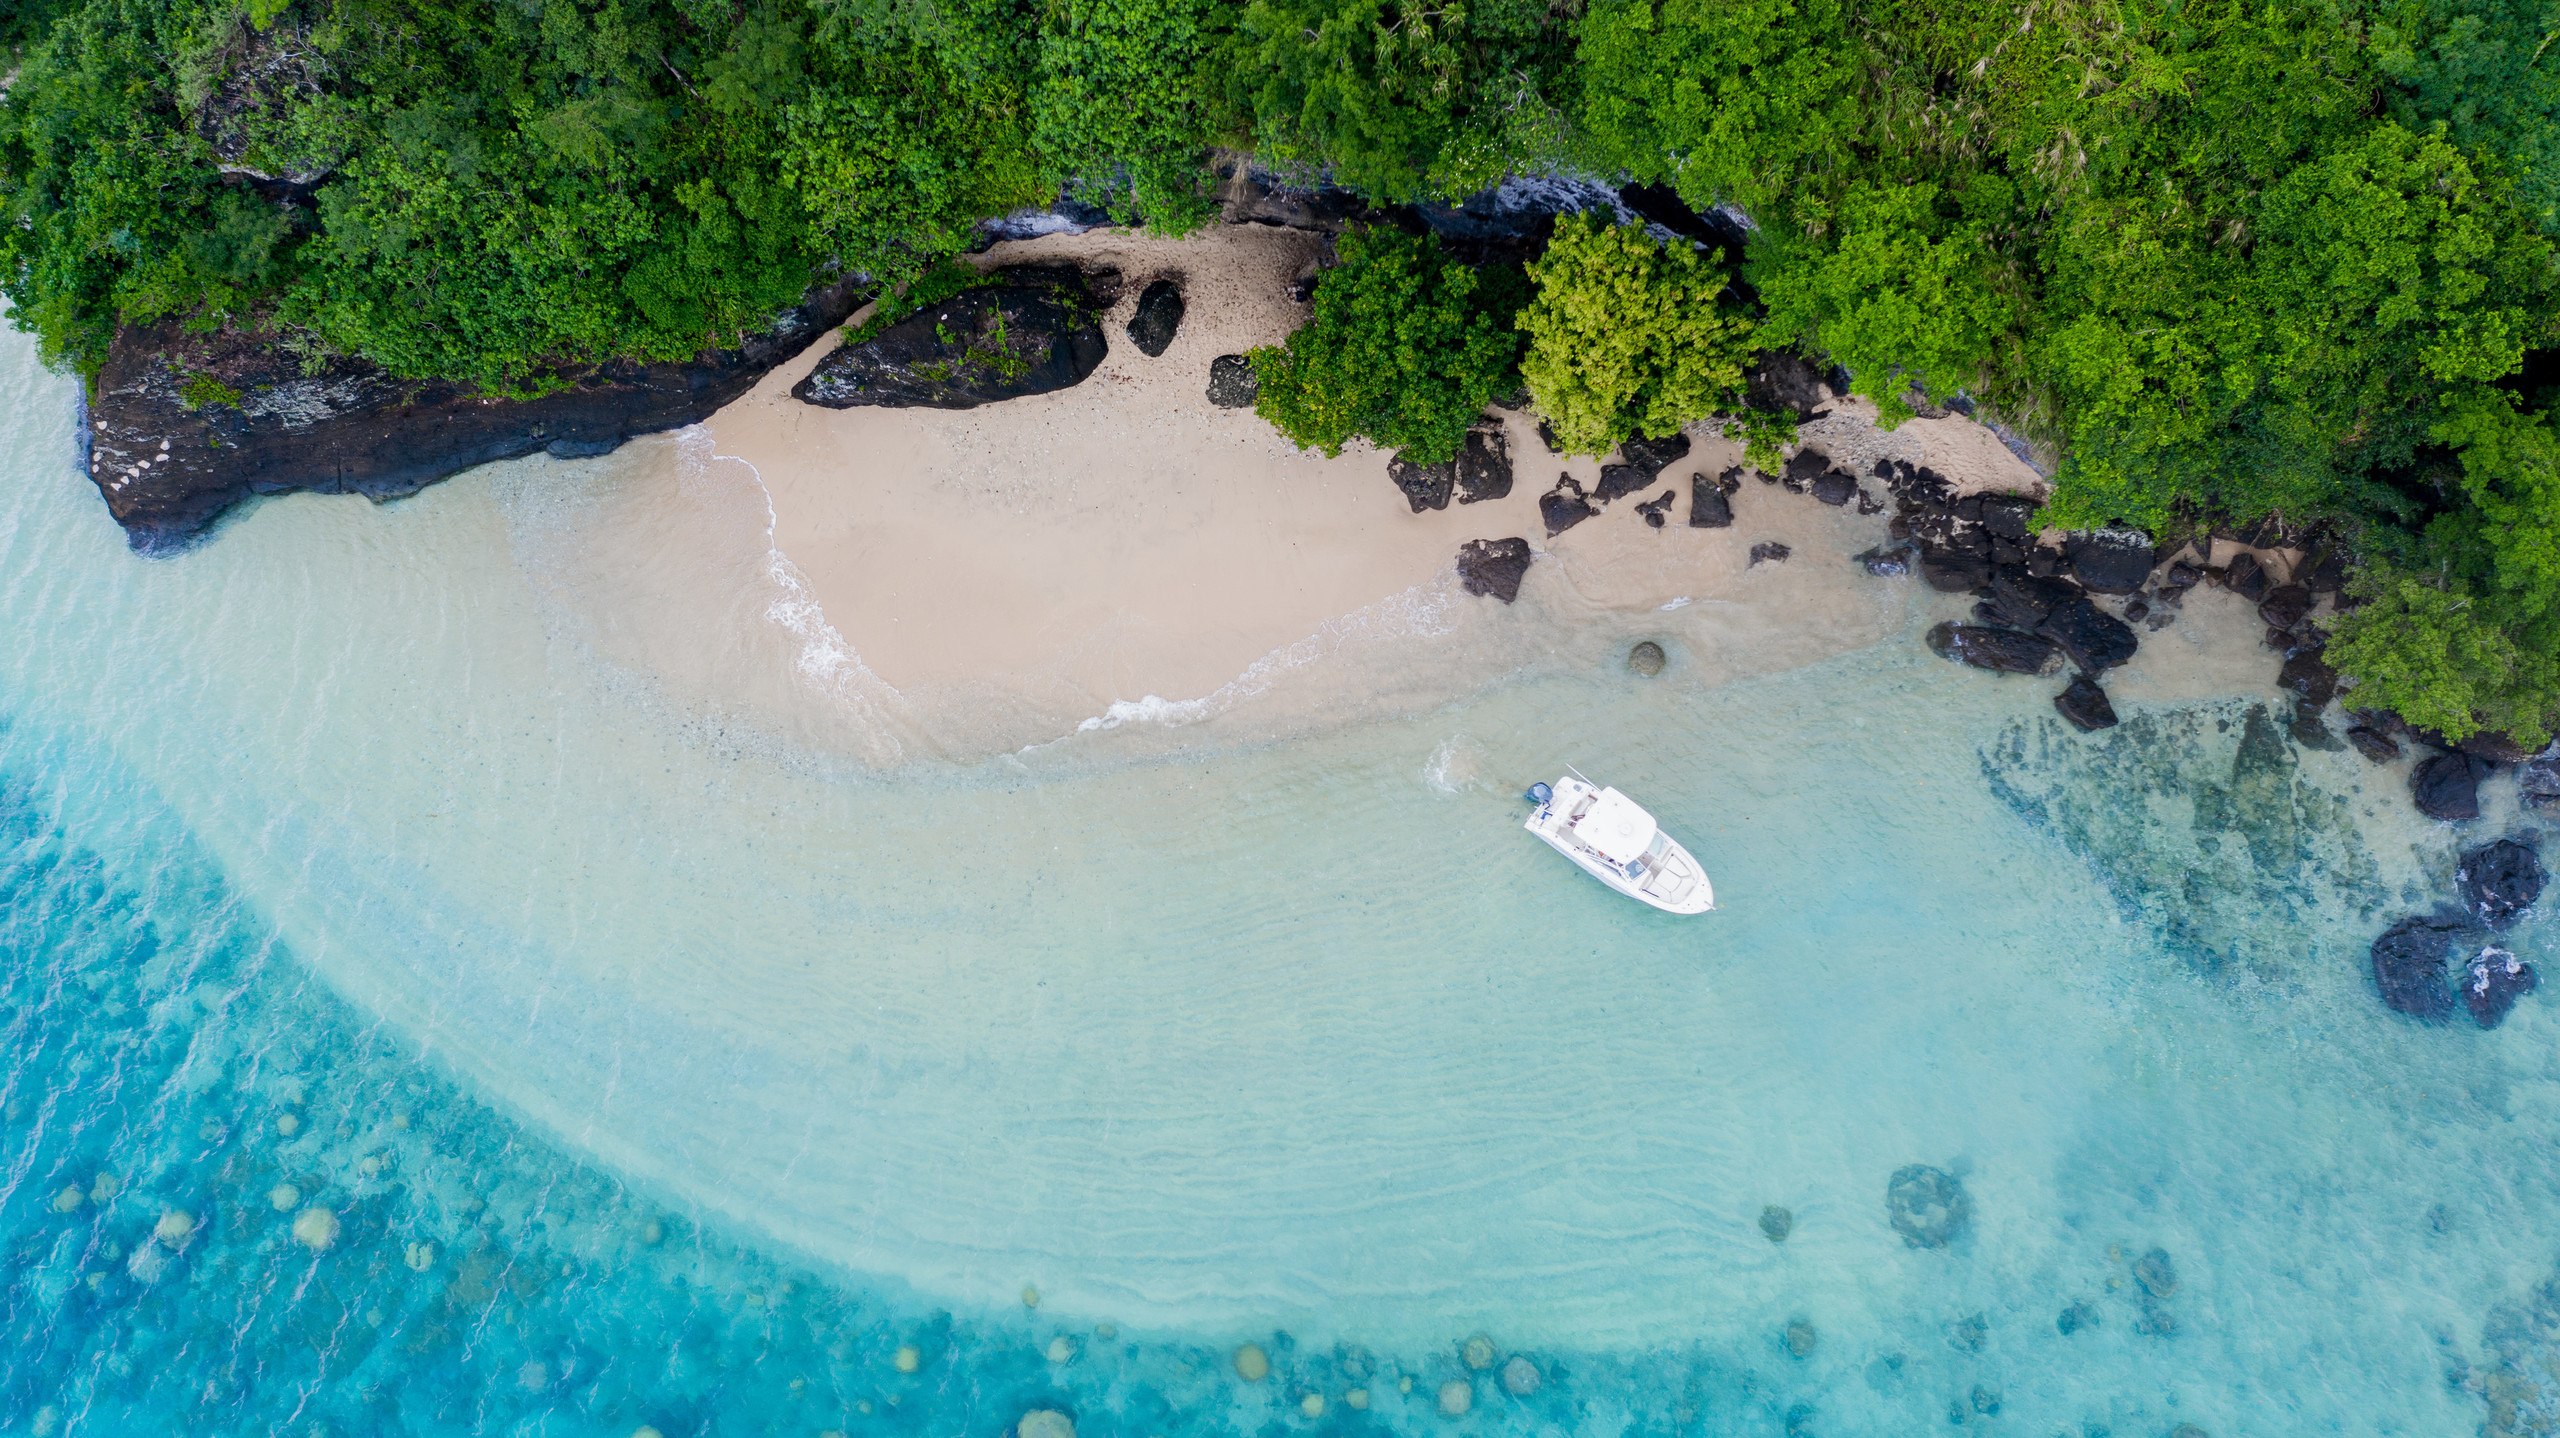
x: 424, y: 1015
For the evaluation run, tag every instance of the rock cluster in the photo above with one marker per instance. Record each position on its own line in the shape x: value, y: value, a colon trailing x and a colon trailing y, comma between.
x: 2499, y: 882
x: 1927, y: 1206
x: 1030, y: 329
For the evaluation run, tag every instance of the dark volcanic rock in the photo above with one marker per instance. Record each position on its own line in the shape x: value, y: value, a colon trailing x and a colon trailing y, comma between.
x: 1617, y: 481
x: 1710, y: 504
x: 2373, y: 744
x: 1653, y: 456
x: 2492, y: 982
x: 2285, y: 606
x: 1802, y: 468
x: 2005, y: 516
x: 1657, y: 510
x: 2007, y: 651
x: 2245, y: 577
x: 2409, y: 964
x: 1776, y: 1223
x: 1886, y: 561
x: 2499, y: 881
x: 2109, y: 561
x: 2021, y: 600
x: 2093, y: 638
x: 2085, y: 705
x: 1425, y: 486
x: 1484, y: 464
x: 168, y: 470
x: 1927, y: 1206
x: 1769, y: 550
x: 1547, y: 437
x: 1564, y: 506
x: 1835, y: 487
x: 1232, y: 382
x: 2538, y: 782
x: 1952, y: 572
x: 1785, y: 380
x: 1493, y: 567
x: 2307, y: 676
x: 1031, y: 330
x: 1159, y: 316
x: 2447, y: 787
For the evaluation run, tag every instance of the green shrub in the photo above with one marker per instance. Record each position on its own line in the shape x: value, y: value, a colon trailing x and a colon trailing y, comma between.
x: 1629, y: 337
x: 1406, y: 348
x: 2437, y: 654
x: 203, y: 389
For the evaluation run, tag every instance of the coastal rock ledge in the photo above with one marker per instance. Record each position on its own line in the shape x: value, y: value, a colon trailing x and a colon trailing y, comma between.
x: 1029, y: 330
x: 185, y: 426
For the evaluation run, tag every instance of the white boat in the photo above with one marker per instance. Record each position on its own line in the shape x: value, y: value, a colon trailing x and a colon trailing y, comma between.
x: 1617, y: 842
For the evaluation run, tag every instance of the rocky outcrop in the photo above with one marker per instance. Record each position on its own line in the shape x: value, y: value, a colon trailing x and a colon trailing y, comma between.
x: 1425, y: 486
x: 1158, y: 318
x: 2499, y: 881
x: 2110, y: 561
x: 1030, y: 329
x: 2409, y: 963
x: 1927, y: 1206
x: 1484, y: 464
x: 2005, y: 651
x: 2447, y: 787
x: 2492, y: 982
x: 2085, y: 705
x: 1493, y: 567
x: 1232, y: 382
x: 185, y: 426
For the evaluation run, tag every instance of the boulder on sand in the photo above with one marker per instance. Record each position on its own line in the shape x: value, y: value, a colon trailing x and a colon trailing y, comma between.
x: 1835, y: 487
x: 2499, y: 881
x: 2246, y: 577
x: 1653, y: 456
x: 2095, y: 639
x: 2409, y: 964
x: 1158, y: 317
x: 1617, y: 481
x: 1232, y: 382
x: 2006, y: 651
x: 1927, y: 1206
x: 2447, y: 787
x: 1030, y: 330
x: 1657, y: 510
x: 2109, y: 561
x: 2493, y: 982
x: 1425, y: 486
x: 1768, y: 551
x: 1710, y: 502
x: 1564, y: 506
x: 1493, y: 567
x: 1484, y: 464
x: 2085, y: 705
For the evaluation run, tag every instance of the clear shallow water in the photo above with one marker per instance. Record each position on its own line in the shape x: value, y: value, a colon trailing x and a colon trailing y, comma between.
x: 652, y: 1071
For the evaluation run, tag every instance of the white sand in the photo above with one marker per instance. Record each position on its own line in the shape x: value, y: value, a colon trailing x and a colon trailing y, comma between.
x: 1012, y: 571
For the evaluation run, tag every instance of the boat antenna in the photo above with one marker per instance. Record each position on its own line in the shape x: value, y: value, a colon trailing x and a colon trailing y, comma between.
x: 1585, y: 778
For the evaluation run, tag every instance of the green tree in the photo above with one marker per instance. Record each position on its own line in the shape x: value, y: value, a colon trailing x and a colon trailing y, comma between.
x: 1406, y: 347
x: 1123, y: 90
x: 1628, y: 337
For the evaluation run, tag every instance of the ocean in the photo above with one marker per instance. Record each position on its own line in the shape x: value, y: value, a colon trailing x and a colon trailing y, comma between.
x: 431, y: 1009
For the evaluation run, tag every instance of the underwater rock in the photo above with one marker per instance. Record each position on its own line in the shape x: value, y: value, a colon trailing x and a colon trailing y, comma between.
x: 1927, y: 1206
x: 2005, y: 651
x: 1311, y: 1406
x: 1456, y: 1397
x: 1953, y: 572
x: 2447, y: 787
x: 1251, y: 1363
x: 175, y: 1228
x: 1493, y: 567
x: 1885, y: 561
x: 2085, y: 705
x: 1520, y: 1377
x: 69, y: 1199
x: 2095, y: 639
x: 1776, y: 1223
x: 1564, y: 506
x: 2077, y: 1317
x: 2157, y: 1275
x: 1061, y: 1351
x: 2499, y: 881
x: 1477, y: 1352
x: 1768, y: 551
x: 1232, y: 382
x: 1646, y: 658
x: 419, y: 1256
x: 316, y: 1228
x: 1969, y: 1334
x: 1425, y: 486
x: 1800, y: 1337
x: 1985, y: 1401
x: 2538, y: 782
x: 907, y: 1359
x: 2492, y: 983
x: 1484, y: 464
x: 2109, y: 561
x: 2409, y: 964
x: 283, y: 1197
x: 1032, y: 329
x: 1158, y: 318
x: 1045, y: 1423
x: 1711, y: 501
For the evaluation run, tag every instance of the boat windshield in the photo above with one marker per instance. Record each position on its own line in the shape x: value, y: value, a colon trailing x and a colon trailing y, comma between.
x: 1652, y: 857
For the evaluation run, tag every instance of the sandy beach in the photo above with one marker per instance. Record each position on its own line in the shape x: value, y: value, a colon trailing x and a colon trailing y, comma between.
x: 1126, y: 550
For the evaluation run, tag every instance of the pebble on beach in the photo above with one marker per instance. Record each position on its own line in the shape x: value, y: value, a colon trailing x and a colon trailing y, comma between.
x: 1252, y: 1364
x: 1456, y: 1397
x: 907, y: 1359
x: 316, y: 1228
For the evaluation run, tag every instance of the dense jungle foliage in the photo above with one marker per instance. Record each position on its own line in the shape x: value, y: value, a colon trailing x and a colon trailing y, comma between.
x: 2227, y: 259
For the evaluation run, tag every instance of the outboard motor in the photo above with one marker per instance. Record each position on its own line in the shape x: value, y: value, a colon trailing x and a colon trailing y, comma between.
x: 1540, y: 795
